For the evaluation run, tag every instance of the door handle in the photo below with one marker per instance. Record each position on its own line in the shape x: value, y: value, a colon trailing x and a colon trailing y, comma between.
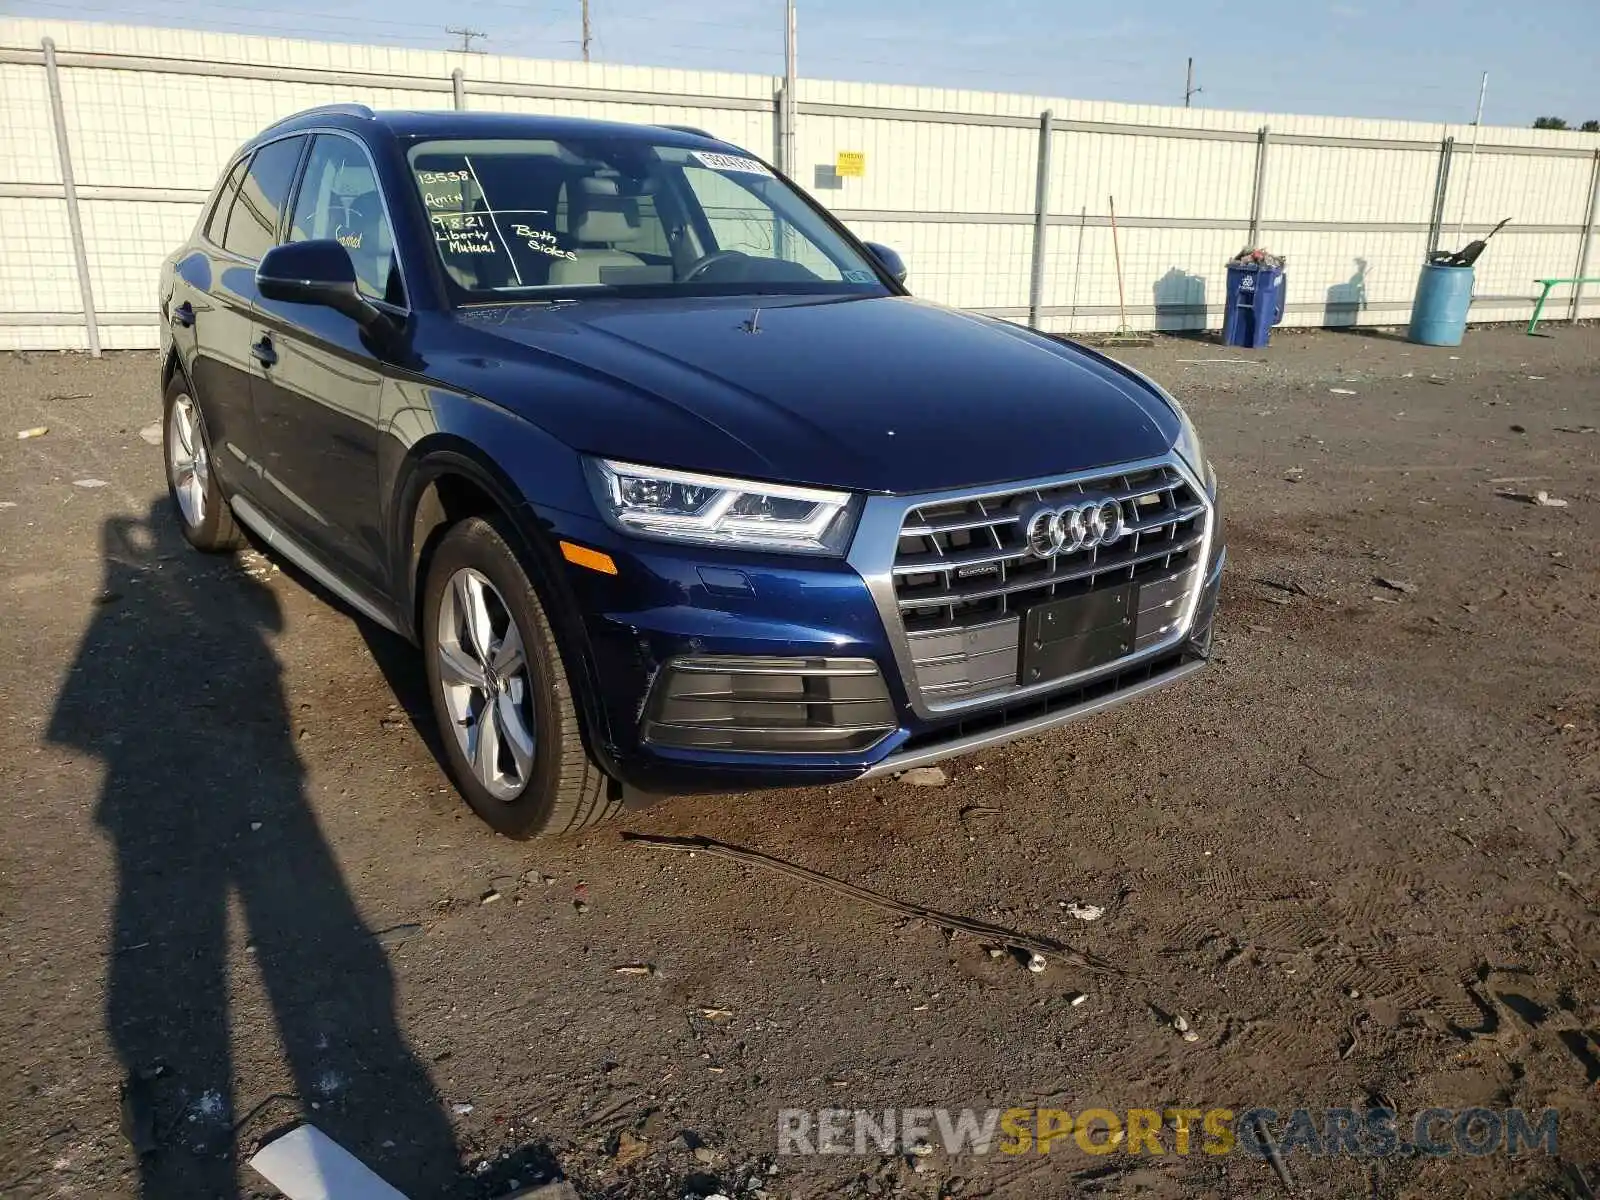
x: 184, y: 315
x: 263, y: 352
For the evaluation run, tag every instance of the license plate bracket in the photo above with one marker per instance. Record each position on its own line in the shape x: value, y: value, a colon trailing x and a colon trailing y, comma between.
x: 1063, y: 637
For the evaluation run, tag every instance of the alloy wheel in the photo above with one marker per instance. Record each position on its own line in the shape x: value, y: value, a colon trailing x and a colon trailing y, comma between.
x: 187, y: 465
x: 488, y: 692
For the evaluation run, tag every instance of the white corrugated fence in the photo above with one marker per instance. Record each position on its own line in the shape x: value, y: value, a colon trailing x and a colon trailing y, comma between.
x: 949, y: 178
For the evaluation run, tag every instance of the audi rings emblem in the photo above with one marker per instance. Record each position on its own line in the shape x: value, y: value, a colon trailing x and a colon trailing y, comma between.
x: 1065, y: 529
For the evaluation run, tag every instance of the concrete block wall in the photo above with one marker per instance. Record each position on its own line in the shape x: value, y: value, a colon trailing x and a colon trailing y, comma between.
x: 950, y: 179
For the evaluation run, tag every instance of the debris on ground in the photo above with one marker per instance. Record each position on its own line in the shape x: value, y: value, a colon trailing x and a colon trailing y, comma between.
x: 152, y: 433
x: 461, y: 1109
x: 1290, y: 586
x: 1395, y: 585
x: 1342, y: 391
x: 1274, y: 1156
x: 958, y: 924
x: 37, y: 431
x: 1037, y: 963
x: 1295, y: 475
x: 138, y: 1114
x: 1182, y: 1026
x: 561, y: 1190
x: 925, y: 777
x: 305, y: 1163
x: 1084, y: 912
x: 1541, y: 498
x: 629, y: 1150
x: 90, y: 483
x: 635, y: 969
x: 396, y: 934
x: 1577, y: 429
x: 1076, y: 998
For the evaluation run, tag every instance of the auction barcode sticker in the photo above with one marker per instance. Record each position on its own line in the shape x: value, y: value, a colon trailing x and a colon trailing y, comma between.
x: 730, y: 162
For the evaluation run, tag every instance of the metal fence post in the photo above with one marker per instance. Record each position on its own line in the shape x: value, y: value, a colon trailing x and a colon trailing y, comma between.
x: 1588, y: 236
x: 791, y: 89
x: 1257, y: 196
x: 1041, y: 218
x: 458, y: 88
x: 1441, y: 189
x: 780, y: 132
x: 69, y: 187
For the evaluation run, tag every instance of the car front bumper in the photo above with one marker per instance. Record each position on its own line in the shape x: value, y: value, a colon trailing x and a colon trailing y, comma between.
x: 667, y: 605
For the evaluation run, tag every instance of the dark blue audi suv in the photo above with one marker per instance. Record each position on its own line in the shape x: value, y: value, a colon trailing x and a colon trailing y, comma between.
x: 674, y: 483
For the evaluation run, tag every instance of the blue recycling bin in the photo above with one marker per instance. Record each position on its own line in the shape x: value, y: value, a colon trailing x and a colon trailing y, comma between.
x: 1255, y: 304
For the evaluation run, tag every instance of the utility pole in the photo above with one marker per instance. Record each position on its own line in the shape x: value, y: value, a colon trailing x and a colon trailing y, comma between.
x: 1466, y: 183
x: 466, y: 35
x: 790, y: 106
x: 585, y: 30
x: 1189, y: 89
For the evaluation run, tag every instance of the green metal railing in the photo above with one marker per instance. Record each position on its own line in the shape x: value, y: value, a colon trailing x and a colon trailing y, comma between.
x: 1538, y: 309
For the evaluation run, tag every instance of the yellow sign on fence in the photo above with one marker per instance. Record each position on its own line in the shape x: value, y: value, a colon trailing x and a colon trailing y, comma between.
x: 851, y: 164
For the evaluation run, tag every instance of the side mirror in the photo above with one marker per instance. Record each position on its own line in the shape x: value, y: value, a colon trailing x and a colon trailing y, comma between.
x: 316, y: 272
x: 891, y: 261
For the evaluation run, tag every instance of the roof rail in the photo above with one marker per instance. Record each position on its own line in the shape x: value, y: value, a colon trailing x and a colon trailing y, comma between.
x: 346, y: 110
x: 689, y: 129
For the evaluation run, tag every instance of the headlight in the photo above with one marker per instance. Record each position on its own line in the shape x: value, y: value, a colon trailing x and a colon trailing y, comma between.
x: 681, y: 506
x: 1188, y: 445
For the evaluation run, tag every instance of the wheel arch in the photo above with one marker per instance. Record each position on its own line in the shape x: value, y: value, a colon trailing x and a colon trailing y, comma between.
x: 175, y: 368
x: 448, y: 480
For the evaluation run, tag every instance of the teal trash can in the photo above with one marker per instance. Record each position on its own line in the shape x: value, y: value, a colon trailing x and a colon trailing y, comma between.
x: 1439, y: 313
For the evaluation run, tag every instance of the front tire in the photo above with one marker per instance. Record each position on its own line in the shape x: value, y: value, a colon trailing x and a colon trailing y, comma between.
x: 197, y: 498
x: 500, y: 692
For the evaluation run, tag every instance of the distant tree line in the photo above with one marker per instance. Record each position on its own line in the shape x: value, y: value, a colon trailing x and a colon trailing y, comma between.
x: 1560, y: 123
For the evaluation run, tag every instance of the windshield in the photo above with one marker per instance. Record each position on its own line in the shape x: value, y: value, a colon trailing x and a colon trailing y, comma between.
x: 622, y: 215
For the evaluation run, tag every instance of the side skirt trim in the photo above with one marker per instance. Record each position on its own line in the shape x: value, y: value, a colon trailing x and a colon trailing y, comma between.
x: 276, y: 539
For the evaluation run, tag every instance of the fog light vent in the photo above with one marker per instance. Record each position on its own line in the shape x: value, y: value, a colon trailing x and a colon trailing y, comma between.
x: 777, y: 705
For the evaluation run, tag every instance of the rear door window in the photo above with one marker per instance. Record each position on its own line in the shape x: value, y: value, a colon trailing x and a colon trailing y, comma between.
x: 218, y: 223
x: 253, y: 222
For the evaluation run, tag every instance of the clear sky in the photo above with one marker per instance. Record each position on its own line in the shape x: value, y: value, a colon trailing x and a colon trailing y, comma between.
x: 1413, y: 59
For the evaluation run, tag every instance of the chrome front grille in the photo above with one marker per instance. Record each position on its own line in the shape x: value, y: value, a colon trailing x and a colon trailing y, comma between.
x: 963, y: 577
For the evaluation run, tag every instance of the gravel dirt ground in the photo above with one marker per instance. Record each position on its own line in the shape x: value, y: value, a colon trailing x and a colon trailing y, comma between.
x: 1358, y: 854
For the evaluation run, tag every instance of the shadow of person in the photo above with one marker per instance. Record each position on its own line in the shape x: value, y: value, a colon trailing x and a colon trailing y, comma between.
x: 176, y: 690
x: 1348, y: 300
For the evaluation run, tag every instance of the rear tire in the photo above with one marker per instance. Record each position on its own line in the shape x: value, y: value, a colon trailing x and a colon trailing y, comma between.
x: 197, y: 498
x: 500, y: 692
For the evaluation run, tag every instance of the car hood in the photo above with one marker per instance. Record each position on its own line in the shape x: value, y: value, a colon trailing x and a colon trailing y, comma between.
x: 876, y: 394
